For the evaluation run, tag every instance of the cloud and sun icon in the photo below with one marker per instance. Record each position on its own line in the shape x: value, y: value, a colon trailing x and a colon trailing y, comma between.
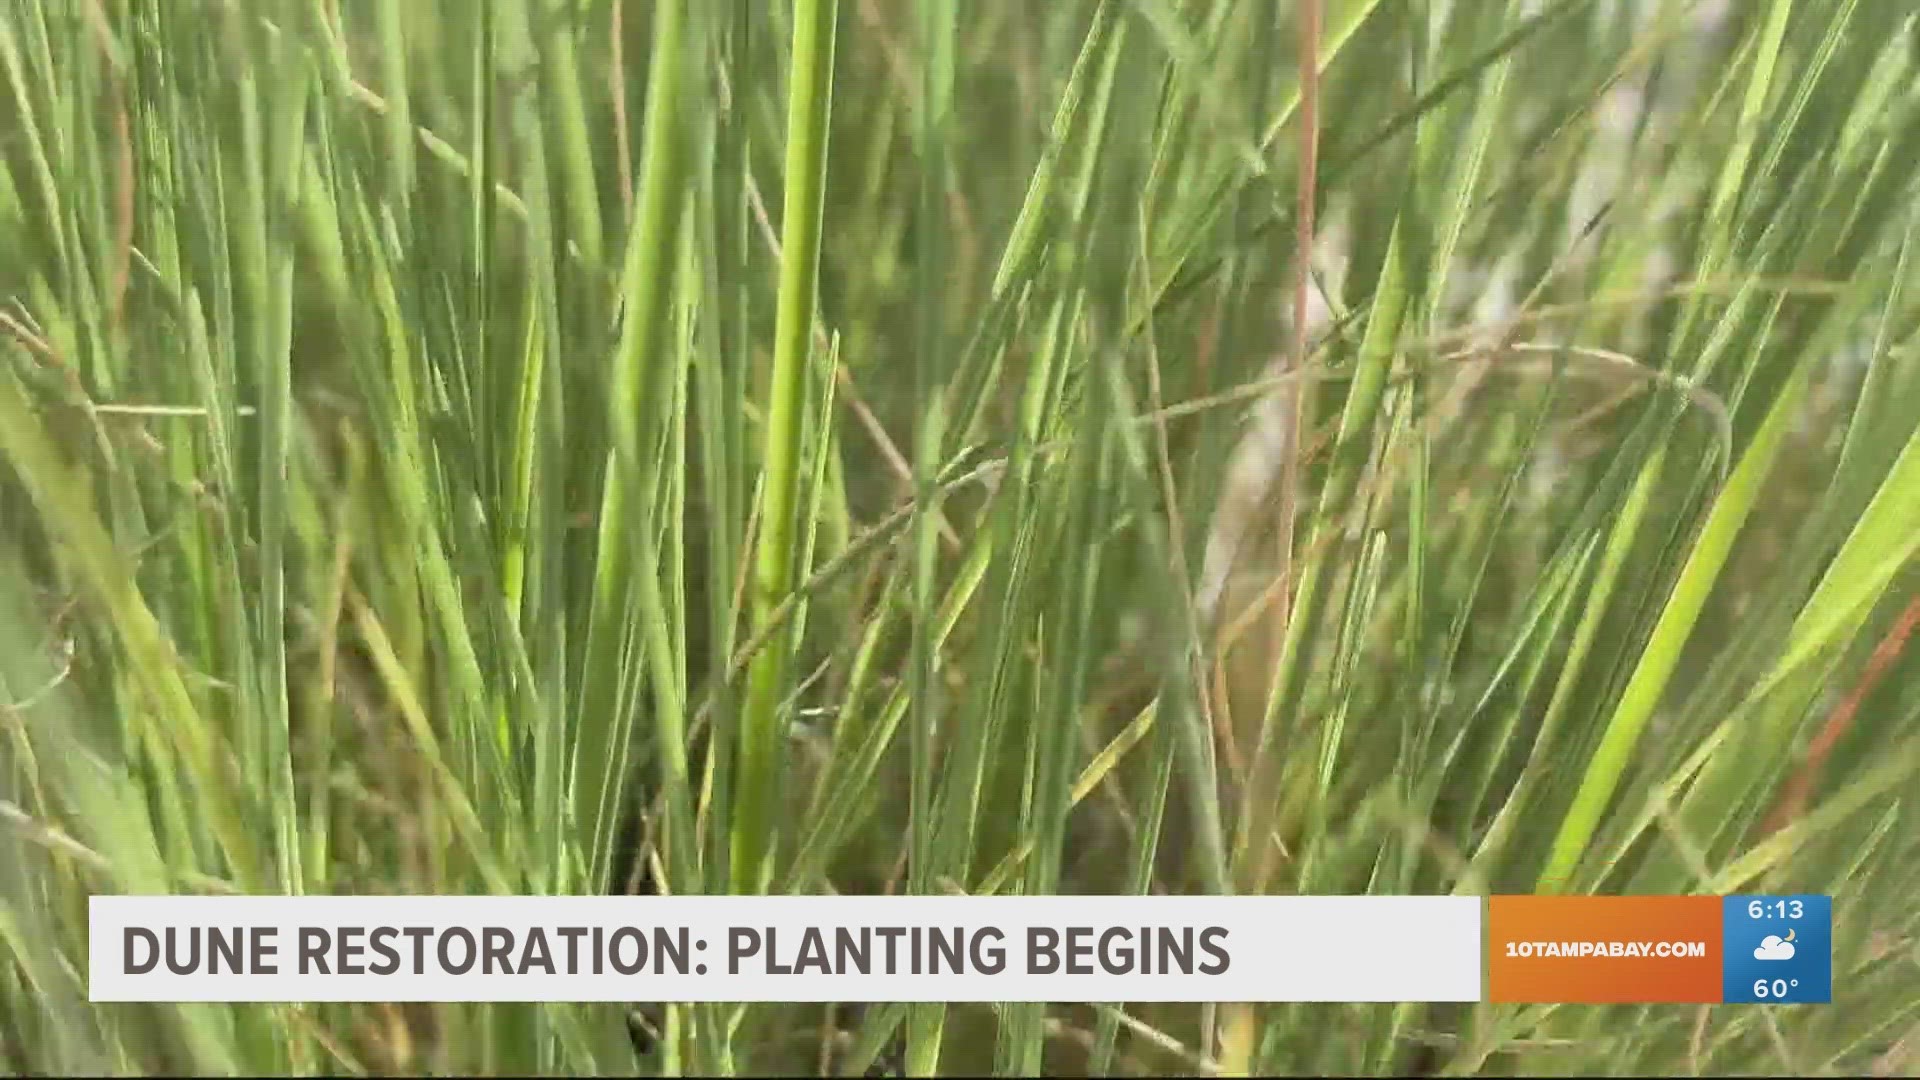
x: 1775, y: 947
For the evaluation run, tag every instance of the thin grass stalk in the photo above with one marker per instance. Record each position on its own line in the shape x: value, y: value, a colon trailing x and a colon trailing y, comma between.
x: 601, y: 751
x: 926, y: 864
x: 809, y: 103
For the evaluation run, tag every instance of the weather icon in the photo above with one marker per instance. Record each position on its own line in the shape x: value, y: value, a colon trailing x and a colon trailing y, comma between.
x: 1775, y: 947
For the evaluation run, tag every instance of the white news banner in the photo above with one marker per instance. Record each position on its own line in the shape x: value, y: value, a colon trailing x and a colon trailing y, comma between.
x: 785, y: 948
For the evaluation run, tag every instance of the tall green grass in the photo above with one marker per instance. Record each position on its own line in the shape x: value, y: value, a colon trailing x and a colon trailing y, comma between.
x: 899, y: 447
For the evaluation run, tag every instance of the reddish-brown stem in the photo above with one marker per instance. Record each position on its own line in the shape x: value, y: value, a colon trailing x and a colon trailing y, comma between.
x: 1800, y: 786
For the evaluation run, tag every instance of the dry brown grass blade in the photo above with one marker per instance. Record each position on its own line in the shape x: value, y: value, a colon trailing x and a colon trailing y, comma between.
x: 1238, y: 1041
x: 1800, y: 786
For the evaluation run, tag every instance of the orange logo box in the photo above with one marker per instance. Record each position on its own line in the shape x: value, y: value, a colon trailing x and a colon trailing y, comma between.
x: 1602, y: 950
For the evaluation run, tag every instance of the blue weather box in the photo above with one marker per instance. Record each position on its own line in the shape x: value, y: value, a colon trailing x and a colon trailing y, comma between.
x: 1777, y: 950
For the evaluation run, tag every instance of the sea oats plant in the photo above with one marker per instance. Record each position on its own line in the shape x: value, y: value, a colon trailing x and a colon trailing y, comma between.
x: 976, y: 446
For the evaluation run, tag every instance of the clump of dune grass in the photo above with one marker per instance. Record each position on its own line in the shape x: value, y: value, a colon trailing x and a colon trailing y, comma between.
x: 1092, y: 446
